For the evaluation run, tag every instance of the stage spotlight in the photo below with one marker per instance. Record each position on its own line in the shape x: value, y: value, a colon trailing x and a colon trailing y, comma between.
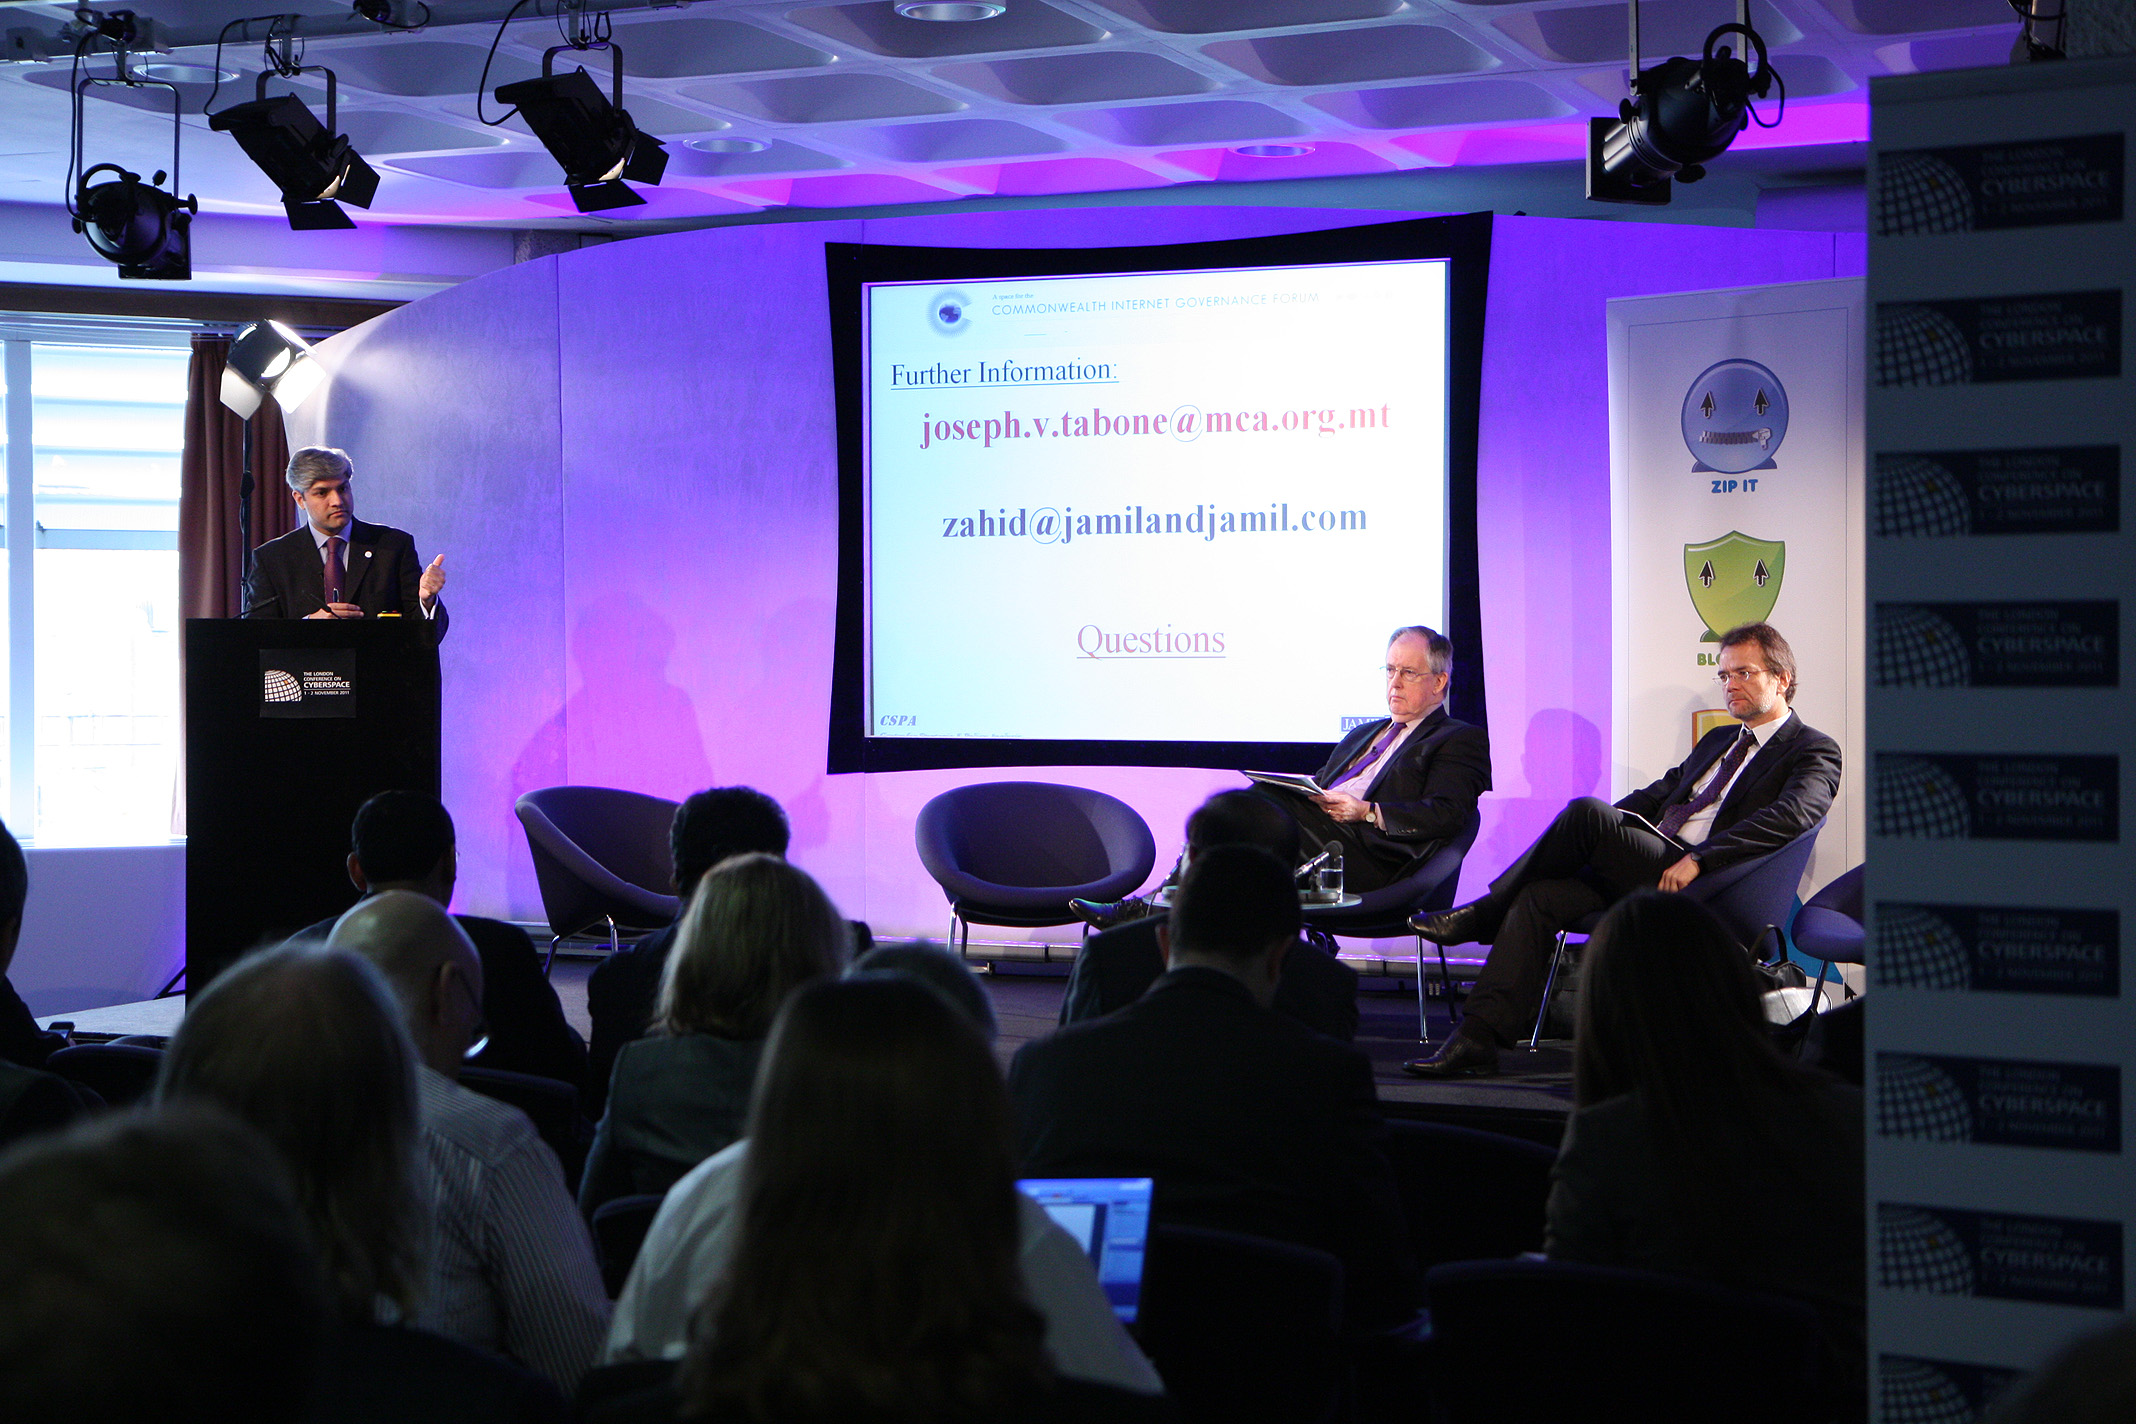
x: 137, y: 225
x: 268, y: 359
x: 588, y: 133
x: 1682, y: 114
x: 316, y: 169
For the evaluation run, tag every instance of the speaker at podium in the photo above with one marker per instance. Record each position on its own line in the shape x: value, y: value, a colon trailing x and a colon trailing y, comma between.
x: 291, y: 725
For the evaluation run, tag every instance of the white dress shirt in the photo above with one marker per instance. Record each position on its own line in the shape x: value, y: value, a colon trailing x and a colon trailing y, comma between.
x: 1700, y: 826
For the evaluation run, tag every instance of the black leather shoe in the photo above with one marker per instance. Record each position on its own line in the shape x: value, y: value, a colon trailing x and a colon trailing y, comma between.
x: 1464, y: 924
x: 1461, y: 1057
x: 1100, y: 915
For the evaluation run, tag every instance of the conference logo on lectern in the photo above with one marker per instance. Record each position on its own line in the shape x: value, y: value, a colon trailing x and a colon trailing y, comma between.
x: 1734, y: 579
x: 1734, y: 418
x: 307, y: 682
x: 1913, y: 1390
x: 950, y: 313
x: 2051, y: 1260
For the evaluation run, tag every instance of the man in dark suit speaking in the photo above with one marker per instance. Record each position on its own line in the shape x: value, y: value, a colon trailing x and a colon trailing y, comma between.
x: 333, y: 565
x: 1745, y: 790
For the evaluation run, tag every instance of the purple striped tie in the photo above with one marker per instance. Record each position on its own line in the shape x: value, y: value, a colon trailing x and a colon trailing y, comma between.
x: 1672, y: 820
x: 1371, y: 754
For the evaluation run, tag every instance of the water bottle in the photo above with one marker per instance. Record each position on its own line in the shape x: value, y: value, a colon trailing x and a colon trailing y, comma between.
x: 1330, y: 880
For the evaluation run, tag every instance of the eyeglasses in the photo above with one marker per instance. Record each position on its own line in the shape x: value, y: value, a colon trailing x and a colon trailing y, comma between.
x: 1742, y: 675
x: 1405, y: 676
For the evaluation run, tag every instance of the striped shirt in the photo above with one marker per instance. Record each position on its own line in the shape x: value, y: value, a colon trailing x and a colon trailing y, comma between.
x: 512, y: 1268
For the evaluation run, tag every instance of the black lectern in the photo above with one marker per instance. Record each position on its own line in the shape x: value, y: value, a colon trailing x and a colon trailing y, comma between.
x: 291, y: 724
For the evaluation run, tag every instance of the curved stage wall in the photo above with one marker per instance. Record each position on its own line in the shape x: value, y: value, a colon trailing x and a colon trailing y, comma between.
x: 626, y: 455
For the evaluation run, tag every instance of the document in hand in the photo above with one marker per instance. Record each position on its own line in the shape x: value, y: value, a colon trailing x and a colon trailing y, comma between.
x: 1285, y: 781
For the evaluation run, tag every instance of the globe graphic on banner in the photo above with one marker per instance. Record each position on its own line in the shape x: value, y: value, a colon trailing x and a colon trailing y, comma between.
x: 1919, y: 346
x: 1919, y: 192
x: 1919, y: 800
x: 1917, y: 949
x: 1734, y: 417
x: 1916, y: 1392
x: 1917, y: 648
x: 1918, y: 1251
x: 950, y: 313
x: 1918, y: 498
x: 1915, y: 1098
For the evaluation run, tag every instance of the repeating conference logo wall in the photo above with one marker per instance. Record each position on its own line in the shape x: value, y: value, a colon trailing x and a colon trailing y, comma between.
x: 2051, y: 1260
x: 1924, y: 1391
x: 2044, y: 336
x: 1924, y: 796
x: 2001, y: 1102
x: 307, y: 682
x: 2074, y: 644
x: 1982, y: 187
x: 2071, y: 489
x: 2003, y: 949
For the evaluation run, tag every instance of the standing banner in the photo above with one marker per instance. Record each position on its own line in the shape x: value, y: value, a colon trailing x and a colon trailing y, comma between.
x: 1736, y: 497
x: 2000, y: 1194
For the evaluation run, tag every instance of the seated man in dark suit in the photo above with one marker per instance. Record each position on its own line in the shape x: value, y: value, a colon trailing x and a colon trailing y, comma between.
x: 333, y: 565
x: 1393, y: 791
x: 404, y: 840
x: 1247, y: 1120
x: 1744, y: 791
x: 1114, y: 969
x: 621, y: 993
x: 21, y: 1040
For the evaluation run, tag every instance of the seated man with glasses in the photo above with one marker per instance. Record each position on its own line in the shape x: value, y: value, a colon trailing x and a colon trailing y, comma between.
x: 1744, y: 791
x: 1394, y: 790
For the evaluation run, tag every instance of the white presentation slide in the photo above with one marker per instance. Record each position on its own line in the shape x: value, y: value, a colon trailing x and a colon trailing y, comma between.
x: 1174, y: 506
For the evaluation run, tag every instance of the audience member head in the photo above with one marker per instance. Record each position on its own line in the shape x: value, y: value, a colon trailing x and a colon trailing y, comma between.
x: 403, y: 840
x: 1236, y: 909
x: 940, y: 970
x: 757, y: 929
x: 307, y: 1047
x: 14, y: 894
x: 157, y: 1268
x: 1243, y: 817
x: 431, y: 964
x: 1665, y: 993
x: 721, y: 822
x: 314, y: 463
x: 2092, y: 1381
x: 876, y: 1274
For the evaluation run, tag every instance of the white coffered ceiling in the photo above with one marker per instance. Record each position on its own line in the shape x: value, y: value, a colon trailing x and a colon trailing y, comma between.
x: 845, y: 105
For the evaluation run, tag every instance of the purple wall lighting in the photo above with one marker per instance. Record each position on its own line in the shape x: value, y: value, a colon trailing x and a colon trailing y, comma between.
x: 626, y: 455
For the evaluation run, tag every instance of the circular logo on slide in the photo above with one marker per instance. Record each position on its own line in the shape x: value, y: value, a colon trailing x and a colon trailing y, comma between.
x: 950, y: 313
x: 1735, y: 416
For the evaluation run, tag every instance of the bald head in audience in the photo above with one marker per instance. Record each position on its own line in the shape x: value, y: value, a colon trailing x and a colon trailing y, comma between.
x: 431, y: 964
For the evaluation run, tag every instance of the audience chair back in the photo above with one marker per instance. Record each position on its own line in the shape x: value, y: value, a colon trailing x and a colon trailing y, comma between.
x: 1543, y: 1342
x: 1016, y: 852
x: 619, y: 1227
x: 1468, y: 1195
x: 552, y: 1106
x: 600, y: 856
x: 1385, y: 913
x: 120, y: 1073
x: 1243, y: 1328
x: 1829, y: 928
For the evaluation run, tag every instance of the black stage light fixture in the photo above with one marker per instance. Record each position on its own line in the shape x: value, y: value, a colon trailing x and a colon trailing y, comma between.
x: 315, y: 168
x: 1682, y: 114
x: 145, y: 231
x: 588, y: 132
x: 137, y: 225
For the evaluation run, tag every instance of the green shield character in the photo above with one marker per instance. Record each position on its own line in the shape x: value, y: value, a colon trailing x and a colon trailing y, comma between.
x: 1733, y: 579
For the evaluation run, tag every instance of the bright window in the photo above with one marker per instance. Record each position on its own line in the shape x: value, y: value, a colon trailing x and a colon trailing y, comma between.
x: 94, y: 739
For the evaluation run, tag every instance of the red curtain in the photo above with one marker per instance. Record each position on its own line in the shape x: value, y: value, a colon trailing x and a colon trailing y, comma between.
x: 210, y: 474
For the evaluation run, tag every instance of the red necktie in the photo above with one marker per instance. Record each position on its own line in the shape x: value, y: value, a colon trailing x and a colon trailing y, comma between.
x: 334, y: 578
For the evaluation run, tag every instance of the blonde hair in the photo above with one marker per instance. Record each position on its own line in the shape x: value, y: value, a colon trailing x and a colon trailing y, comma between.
x: 756, y: 929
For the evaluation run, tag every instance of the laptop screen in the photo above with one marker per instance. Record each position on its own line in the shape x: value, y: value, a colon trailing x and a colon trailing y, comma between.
x: 1110, y: 1217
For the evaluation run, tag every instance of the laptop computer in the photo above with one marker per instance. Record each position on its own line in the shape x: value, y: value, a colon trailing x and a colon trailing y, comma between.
x: 1110, y: 1217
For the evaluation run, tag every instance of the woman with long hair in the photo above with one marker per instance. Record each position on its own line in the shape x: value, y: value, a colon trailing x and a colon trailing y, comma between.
x: 875, y: 1276
x: 756, y: 929
x: 1695, y: 1147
